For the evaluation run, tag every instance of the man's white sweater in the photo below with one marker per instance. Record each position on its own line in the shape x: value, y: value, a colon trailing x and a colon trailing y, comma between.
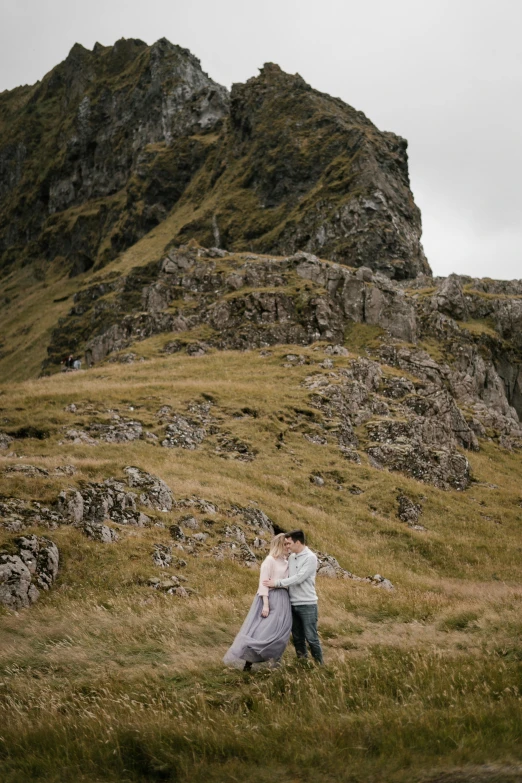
x: 300, y: 581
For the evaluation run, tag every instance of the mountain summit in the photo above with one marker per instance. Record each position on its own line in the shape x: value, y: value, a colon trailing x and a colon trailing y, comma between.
x: 115, y: 140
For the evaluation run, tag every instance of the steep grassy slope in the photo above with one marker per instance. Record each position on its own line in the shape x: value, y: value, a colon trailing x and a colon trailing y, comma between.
x: 108, y: 679
x: 35, y: 297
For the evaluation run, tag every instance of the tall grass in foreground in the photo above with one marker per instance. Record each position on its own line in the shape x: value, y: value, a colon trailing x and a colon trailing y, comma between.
x: 385, y: 717
x: 105, y: 679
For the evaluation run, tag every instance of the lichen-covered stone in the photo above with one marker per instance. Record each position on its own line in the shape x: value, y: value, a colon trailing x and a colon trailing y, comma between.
x: 5, y: 440
x: 155, y: 493
x: 98, y: 532
x: 183, y: 433
x: 23, y: 575
x: 409, y: 511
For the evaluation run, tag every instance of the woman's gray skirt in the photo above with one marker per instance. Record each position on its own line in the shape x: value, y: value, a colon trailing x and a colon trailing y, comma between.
x: 263, y: 638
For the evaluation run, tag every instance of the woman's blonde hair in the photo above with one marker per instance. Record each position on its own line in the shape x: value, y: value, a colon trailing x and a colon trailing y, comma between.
x: 277, y: 545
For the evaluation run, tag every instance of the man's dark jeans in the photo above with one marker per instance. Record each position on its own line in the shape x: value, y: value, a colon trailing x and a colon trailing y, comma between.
x: 304, y: 629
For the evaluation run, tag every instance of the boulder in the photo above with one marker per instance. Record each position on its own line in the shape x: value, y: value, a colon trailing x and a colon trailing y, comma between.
x: 162, y: 555
x: 98, y: 532
x: 254, y: 517
x: 177, y: 532
x: 23, y: 575
x: 328, y: 566
x: 183, y: 433
x: 235, y: 532
x: 120, y: 430
x: 70, y: 505
x: 409, y: 511
x: 449, y: 299
x: 155, y: 492
x: 5, y: 440
x: 231, y: 447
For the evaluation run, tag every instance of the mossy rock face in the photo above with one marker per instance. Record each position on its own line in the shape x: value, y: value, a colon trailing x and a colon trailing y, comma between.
x: 114, y: 141
x: 97, y: 153
x: 299, y: 170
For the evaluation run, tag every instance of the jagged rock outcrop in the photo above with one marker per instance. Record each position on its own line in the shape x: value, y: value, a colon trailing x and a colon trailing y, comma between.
x: 415, y: 423
x: 30, y: 568
x: 97, y: 153
x: 113, y: 140
x: 300, y: 299
x: 91, y: 506
x: 98, y: 532
x: 5, y: 440
x: 304, y: 171
x: 415, y: 429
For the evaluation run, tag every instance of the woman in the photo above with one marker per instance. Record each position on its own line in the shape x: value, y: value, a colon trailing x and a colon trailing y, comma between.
x: 266, y: 630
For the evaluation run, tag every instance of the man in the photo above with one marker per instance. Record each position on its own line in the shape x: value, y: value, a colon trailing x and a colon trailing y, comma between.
x: 302, y: 567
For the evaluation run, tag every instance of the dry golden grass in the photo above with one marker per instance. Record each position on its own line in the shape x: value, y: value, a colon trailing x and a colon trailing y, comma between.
x: 107, y: 679
x: 29, y: 311
x: 478, y: 326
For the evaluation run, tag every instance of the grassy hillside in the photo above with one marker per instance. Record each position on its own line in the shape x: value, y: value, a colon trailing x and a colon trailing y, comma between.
x: 107, y: 679
x: 35, y: 297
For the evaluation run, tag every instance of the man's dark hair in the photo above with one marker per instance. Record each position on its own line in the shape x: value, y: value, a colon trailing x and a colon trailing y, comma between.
x: 296, y: 535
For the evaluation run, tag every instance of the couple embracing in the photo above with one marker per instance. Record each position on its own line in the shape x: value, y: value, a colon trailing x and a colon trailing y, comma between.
x: 285, y: 602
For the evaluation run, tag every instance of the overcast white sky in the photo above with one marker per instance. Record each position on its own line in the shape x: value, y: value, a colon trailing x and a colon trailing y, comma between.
x: 446, y: 74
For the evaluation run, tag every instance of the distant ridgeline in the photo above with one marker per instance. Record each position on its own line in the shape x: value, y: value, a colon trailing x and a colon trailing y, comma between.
x: 113, y: 142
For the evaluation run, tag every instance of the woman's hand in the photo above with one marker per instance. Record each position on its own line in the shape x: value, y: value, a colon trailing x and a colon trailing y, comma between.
x: 266, y: 609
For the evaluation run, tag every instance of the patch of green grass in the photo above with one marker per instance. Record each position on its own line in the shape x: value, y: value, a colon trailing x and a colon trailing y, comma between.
x: 360, y: 337
x: 463, y: 621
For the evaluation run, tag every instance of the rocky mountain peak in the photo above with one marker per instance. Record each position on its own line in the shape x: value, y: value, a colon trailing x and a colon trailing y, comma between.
x: 294, y: 141
x: 115, y: 140
x: 273, y: 74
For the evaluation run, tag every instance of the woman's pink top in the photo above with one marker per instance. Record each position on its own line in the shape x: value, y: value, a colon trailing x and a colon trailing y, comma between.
x: 272, y: 568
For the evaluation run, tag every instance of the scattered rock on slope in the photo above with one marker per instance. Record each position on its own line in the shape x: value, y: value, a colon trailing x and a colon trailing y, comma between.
x: 5, y: 440
x: 23, y: 575
x: 93, y: 504
x: 98, y: 532
x: 155, y: 492
x: 409, y: 511
x: 183, y: 433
